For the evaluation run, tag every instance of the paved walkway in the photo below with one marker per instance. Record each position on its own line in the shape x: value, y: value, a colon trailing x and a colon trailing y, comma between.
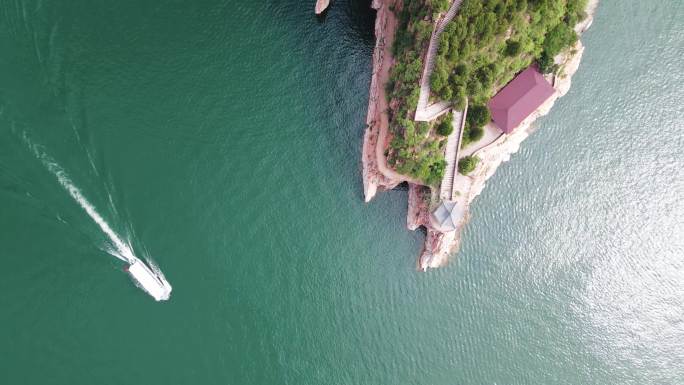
x: 491, y: 133
x: 425, y: 113
x: 433, y: 111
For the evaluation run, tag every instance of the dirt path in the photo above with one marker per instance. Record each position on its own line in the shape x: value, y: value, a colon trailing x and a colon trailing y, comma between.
x: 382, y: 106
x: 376, y: 172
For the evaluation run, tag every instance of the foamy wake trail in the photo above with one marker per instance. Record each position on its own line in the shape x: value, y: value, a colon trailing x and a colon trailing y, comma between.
x: 121, y: 249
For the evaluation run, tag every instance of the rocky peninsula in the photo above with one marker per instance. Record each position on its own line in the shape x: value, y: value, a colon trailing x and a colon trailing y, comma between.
x: 441, y: 205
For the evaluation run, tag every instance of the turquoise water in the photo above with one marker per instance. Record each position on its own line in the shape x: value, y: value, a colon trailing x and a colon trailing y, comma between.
x: 222, y: 139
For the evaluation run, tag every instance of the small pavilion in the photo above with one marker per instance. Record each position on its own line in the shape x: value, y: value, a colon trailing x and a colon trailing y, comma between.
x: 447, y: 216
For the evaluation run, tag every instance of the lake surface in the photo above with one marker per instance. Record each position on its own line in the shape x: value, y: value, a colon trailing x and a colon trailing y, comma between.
x: 222, y: 140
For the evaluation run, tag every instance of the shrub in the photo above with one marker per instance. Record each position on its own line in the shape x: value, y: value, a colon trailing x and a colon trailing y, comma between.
x: 475, y: 134
x: 436, y: 172
x: 546, y: 63
x: 440, y: 76
x: 446, y: 93
x: 459, y: 99
x: 478, y: 116
x: 423, y: 128
x: 440, y: 5
x: 443, y: 47
x: 575, y: 9
x: 513, y: 48
x: 486, y: 77
x: 412, y: 100
x: 467, y: 164
x: 558, y: 38
x: 520, y: 5
x: 445, y: 127
x: 461, y: 70
x: 471, y: 135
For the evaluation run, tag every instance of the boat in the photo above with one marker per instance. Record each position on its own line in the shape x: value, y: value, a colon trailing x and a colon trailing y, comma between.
x: 154, y: 284
x: 321, y: 6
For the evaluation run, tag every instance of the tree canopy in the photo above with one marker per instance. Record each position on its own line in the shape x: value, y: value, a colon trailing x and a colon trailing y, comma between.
x: 467, y: 164
x: 480, y: 50
x: 446, y: 127
x: 489, y: 41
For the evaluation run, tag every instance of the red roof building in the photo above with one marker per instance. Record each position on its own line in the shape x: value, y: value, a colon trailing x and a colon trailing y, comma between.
x: 519, y: 98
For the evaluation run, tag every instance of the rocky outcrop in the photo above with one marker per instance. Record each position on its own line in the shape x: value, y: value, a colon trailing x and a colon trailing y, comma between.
x: 418, y: 206
x: 376, y: 174
x: 440, y: 245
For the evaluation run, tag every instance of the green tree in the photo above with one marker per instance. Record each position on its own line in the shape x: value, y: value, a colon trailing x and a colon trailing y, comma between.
x: 475, y: 134
x: 436, y: 171
x: 447, y: 93
x: 478, y: 116
x: 440, y: 5
x: 513, y: 48
x: 546, y: 63
x: 446, y: 127
x: 459, y: 98
x: 467, y: 164
x: 558, y: 38
x: 423, y: 128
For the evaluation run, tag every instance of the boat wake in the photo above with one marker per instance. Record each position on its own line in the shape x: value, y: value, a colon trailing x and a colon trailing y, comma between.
x: 149, y: 278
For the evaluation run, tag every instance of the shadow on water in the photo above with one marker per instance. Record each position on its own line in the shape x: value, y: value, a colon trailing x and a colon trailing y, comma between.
x: 403, y: 186
x: 362, y: 19
x: 357, y: 14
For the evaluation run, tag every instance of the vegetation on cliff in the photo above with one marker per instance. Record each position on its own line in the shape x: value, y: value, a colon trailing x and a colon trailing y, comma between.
x: 488, y: 42
x: 478, y: 116
x: 416, y: 148
x: 467, y: 164
x: 480, y: 50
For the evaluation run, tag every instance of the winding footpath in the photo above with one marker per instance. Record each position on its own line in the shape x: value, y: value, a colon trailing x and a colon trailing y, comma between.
x: 376, y: 173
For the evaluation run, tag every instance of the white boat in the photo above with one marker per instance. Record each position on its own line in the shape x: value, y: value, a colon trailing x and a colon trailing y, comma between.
x: 321, y: 5
x: 154, y: 284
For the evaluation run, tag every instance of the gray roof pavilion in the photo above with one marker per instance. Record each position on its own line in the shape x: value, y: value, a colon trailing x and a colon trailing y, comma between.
x: 447, y: 216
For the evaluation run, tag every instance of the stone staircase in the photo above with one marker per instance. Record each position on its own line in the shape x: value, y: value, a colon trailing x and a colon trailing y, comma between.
x: 453, y: 146
x: 424, y: 112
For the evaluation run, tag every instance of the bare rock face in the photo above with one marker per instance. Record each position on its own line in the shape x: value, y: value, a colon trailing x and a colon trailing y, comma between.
x: 569, y: 63
x: 418, y: 206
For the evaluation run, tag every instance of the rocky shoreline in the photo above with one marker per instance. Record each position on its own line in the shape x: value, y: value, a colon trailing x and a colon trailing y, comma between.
x: 439, y: 245
x: 374, y: 177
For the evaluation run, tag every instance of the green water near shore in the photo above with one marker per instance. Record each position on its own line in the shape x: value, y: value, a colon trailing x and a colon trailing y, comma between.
x: 222, y: 139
